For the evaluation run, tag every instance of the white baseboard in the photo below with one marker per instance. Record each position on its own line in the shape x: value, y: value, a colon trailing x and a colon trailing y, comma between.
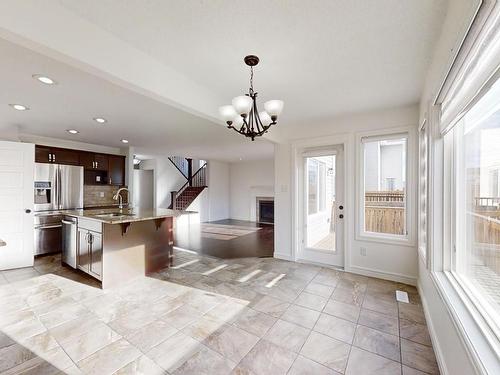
x: 432, y: 332
x: 283, y: 256
x: 405, y: 279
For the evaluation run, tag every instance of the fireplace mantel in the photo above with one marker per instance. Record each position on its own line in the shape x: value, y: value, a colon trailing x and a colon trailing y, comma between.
x: 258, y: 191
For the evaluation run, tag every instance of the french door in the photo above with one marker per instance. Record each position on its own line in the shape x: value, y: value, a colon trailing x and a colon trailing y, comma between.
x: 321, y: 206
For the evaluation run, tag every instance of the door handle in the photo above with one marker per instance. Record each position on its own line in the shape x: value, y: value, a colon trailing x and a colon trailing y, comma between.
x: 28, y: 211
x: 53, y: 157
x: 341, y: 216
x: 48, y: 226
x: 68, y: 222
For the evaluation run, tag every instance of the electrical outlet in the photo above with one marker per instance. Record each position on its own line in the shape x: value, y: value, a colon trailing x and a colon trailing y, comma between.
x: 362, y: 251
x: 101, y: 194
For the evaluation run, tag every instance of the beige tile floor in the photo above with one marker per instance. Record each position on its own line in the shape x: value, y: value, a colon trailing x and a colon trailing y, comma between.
x: 211, y: 316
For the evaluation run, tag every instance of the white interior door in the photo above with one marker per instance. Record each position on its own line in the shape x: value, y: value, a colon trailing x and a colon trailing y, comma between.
x: 321, y: 206
x: 17, y: 162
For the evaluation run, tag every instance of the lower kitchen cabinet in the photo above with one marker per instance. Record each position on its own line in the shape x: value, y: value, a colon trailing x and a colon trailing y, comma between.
x: 89, y: 257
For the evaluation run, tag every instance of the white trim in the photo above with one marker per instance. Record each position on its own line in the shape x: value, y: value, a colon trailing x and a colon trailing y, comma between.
x: 443, y: 369
x: 411, y: 159
x: 422, y: 248
x: 392, y: 276
x: 283, y: 256
x: 320, y: 143
x: 479, y: 350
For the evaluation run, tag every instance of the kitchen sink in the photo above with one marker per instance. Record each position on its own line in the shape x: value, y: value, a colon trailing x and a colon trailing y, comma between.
x: 114, y: 214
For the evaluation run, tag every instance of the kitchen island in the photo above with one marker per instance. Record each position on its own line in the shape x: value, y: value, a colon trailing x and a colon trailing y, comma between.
x: 115, y: 246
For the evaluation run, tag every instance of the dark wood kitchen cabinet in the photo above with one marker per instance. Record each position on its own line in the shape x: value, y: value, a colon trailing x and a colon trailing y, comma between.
x: 56, y: 155
x: 116, y: 170
x: 43, y: 154
x: 99, y: 169
x: 90, y: 160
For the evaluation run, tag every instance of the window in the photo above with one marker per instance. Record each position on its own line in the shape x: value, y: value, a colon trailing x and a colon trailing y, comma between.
x: 312, y: 188
x: 317, y: 186
x: 423, y: 189
x: 320, y: 201
x: 475, y: 259
x: 384, y: 190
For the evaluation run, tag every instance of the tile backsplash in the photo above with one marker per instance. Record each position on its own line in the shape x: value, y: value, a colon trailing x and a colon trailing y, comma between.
x: 96, y: 195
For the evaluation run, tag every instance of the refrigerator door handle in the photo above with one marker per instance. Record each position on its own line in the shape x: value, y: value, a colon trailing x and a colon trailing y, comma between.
x: 59, y: 188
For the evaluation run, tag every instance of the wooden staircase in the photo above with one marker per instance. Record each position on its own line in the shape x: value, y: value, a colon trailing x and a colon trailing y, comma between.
x: 195, y: 183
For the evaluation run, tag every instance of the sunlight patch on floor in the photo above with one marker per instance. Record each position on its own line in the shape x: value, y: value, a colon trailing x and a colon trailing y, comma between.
x: 249, y: 276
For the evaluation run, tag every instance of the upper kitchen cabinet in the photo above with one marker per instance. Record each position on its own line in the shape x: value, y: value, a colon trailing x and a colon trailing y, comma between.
x: 90, y: 160
x: 116, y: 171
x: 100, y: 169
x: 44, y: 154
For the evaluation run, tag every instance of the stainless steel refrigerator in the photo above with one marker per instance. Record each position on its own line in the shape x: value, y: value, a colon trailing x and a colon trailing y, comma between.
x: 57, y: 187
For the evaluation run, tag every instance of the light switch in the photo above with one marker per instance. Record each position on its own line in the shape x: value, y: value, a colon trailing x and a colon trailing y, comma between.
x: 101, y: 194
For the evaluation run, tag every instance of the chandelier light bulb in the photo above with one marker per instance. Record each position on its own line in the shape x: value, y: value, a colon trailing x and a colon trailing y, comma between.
x: 274, y: 108
x: 227, y: 113
x: 237, y: 121
x: 265, y: 118
x: 242, y: 104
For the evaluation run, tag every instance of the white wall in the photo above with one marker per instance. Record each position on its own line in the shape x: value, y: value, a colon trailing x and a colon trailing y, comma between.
x: 143, y: 188
x: 247, y: 181
x: 386, y: 260
x: 218, y: 191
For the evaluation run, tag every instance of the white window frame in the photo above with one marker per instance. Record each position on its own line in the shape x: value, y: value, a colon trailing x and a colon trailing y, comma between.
x: 477, y: 305
x: 410, y: 132
x: 459, y: 88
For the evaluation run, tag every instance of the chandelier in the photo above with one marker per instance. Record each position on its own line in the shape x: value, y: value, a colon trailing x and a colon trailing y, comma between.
x: 243, y: 115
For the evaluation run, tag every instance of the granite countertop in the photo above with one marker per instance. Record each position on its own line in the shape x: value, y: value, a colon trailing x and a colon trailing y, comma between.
x: 128, y: 215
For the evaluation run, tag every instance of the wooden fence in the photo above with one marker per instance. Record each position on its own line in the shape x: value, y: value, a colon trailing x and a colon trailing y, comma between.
x: 385, y: 212
x: 486, y: 229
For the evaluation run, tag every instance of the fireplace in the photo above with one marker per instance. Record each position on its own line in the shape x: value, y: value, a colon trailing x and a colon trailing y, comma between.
x: 265, y: 210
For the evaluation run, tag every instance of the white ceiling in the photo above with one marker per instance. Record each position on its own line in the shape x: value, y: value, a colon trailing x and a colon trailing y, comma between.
x: 153, y: 128
x: 323, y: 57
x: 159, y: 69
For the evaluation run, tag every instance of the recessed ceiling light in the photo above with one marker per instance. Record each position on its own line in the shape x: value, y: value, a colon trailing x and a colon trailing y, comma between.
x: 100, y: 120
x: 44, y: 79
x: 19, y: 107
x: 124, y: 141
x: 72, y: 131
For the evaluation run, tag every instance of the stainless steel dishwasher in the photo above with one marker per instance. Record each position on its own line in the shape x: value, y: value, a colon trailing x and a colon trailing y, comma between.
x: 69, y: 240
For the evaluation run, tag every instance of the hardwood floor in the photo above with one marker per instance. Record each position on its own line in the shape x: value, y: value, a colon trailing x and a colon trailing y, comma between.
x: 226, y: 238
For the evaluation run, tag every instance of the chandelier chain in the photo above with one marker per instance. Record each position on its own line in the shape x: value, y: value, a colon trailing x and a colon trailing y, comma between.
x: 251, y: 79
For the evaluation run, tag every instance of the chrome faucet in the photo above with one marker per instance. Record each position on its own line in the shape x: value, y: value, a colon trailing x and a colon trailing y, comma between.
x: 118, y: 197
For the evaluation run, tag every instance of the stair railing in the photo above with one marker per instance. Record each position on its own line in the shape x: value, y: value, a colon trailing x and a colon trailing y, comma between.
x: 199, y: 179
x: 181, y: 164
